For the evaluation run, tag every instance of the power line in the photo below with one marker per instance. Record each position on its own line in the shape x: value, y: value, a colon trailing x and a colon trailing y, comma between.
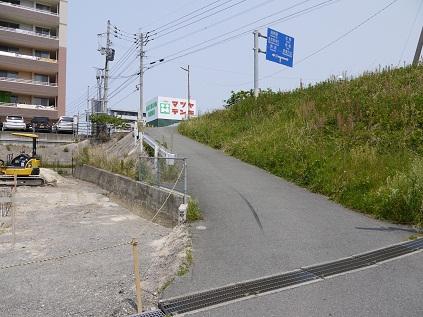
x: 123, y: 86
x: 348, y: 32
x: 199, y: 20
x: 169, y: 58
x: 409, y: 33
x: 212, y: 25
x: 331, y: 42
x: 186, y: 15
x: 127, y: 96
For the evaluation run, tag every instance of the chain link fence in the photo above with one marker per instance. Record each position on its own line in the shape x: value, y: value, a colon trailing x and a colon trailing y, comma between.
x: 170, y: 173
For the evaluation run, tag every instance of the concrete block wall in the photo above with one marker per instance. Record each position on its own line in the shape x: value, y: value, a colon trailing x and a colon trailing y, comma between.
x: 138, y: 195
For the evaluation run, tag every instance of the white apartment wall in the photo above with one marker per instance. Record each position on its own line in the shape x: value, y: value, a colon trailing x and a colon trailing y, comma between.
x: 63, y: 36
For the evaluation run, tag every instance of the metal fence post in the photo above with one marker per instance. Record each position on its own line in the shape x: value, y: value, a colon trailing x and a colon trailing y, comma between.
x: 185, y: 181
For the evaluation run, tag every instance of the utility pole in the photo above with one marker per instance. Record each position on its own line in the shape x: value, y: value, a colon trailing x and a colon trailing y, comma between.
x: 88, y: 112
x: 256, y: 63
x: 100, y: 78
x: 257, y: 50
x: 189, y: 90
x: 141, y: 87
x: 106, y: 70
x: 418, y: 50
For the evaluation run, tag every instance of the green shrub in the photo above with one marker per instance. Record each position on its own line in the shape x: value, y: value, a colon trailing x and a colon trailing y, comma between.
x: 193, y: 211
x: 97, y: 157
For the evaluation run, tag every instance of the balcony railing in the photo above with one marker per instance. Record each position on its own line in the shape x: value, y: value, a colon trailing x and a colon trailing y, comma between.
x: 34, y: 58
x: 29, y: 8
x: 28, y: 81
x: 33, y: 33
x: 26, y: 106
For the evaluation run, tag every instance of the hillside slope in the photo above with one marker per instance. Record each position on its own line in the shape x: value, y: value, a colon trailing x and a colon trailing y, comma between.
x: 358, y: 141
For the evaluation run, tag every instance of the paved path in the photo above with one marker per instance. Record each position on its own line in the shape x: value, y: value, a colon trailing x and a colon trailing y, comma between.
x: 258, y: 224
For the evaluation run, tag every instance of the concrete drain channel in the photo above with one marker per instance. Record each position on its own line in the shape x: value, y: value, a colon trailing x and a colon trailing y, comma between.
x: 305, y: 275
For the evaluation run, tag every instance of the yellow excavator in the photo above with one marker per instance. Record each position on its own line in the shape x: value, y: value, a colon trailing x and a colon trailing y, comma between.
x: 25, y: 166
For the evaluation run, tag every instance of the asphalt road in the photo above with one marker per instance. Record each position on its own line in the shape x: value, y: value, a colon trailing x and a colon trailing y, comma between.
x: 258, y: 224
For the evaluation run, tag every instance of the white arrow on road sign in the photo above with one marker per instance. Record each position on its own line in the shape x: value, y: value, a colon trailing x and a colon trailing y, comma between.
x: 281, y: 58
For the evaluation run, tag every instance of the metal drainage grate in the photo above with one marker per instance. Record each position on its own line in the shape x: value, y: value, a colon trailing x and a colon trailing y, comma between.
x: 229, y: 293
x: 153, y: 313
x: 415, y: 245
x: 364, y: 260
x: 233, y: 292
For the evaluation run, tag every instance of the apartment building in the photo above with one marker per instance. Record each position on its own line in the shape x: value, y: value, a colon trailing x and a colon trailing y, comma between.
x: 33, y: 37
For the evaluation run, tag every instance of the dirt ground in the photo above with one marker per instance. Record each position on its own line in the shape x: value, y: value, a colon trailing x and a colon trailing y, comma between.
x: 75, y: 217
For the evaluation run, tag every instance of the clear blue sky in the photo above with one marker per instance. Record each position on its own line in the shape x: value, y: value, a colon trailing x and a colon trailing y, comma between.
x: 389, y: 38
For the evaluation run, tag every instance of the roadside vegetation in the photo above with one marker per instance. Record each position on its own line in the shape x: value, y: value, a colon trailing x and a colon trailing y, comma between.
x: 194, y: 211
x: 97, y: 157
x: 358, y: 141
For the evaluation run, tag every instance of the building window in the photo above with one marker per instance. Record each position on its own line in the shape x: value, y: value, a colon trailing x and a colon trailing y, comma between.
x: 17, y: 2
x: 43, y: 7
x: 10, y: 25
x: 6, y: 74
x: 9, y: 49
x: 14, y: 99
x: 42, y: 54
x: 38, y: 101
x: 41, y: 78
x: 42, y: 31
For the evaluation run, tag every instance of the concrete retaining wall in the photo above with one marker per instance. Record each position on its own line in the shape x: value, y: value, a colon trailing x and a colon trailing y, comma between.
x: 44, y: 138
x: 138, y: 196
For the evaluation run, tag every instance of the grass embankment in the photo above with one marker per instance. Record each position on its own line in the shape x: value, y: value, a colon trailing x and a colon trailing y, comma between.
x: 359, y: 141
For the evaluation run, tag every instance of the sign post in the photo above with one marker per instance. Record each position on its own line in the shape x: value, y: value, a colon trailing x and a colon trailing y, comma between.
x: 280, y: 48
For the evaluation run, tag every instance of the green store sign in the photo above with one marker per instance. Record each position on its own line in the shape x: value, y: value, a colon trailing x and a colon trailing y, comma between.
x: 151, y: 109
x: 164, y: 108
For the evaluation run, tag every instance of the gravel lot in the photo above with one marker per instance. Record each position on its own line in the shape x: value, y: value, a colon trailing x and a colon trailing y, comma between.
x: 71, y: 217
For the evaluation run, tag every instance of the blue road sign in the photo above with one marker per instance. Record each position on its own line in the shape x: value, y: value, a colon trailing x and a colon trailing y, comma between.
x: 280, y: 48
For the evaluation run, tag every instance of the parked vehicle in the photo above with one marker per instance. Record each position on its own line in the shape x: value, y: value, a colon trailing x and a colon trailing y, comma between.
x: 14, y: 123
x: 64, y: 125
x: 40, y: 124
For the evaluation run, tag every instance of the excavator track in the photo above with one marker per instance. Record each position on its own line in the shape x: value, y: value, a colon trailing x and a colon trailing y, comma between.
x: 22, y: 181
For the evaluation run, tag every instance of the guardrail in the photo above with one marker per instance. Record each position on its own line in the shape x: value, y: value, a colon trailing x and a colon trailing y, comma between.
x: 159, y: 150
x: 34, y: 58
x: 29, y: 8
x: 29, y: 33
x: 28, y: 81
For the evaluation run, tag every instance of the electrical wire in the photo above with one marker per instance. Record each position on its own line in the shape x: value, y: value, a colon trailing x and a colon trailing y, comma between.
x: 124, y: 98
x: 409, y: 33
x: 123, y: 86
x: 339, y: 38
x: 192, y: 49
x: 185, y: 16
x: 198, y: 20
x: 212, y: 25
